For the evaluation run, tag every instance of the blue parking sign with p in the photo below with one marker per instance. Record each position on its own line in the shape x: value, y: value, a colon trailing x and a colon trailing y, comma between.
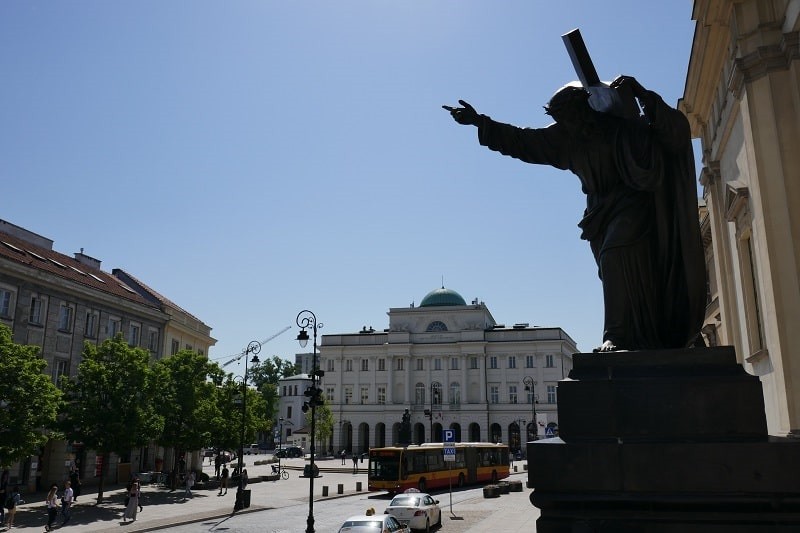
x: 448, y: 435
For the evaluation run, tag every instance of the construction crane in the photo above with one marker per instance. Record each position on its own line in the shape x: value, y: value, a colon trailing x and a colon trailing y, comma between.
x: 246, y: 351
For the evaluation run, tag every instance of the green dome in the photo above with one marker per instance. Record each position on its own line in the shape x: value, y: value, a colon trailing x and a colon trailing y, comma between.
x: 442, y: 297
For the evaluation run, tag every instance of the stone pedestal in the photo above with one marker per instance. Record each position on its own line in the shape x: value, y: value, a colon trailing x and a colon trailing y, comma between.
x: 664, y: 441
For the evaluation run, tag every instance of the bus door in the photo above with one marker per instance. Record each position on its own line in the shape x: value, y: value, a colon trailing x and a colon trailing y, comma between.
x: 471, y: 462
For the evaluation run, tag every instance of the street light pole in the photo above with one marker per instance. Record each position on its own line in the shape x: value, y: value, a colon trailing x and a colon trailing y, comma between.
x: 280, y: 442
x: 307, y: 319
x: 530, y: 386
x: 435, y: 386
x: 253, y: 348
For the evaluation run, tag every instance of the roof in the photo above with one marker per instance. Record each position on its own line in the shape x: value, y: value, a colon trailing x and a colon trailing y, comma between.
x: 442, y: 297
x: 37, y: 258
x: 150, y: 293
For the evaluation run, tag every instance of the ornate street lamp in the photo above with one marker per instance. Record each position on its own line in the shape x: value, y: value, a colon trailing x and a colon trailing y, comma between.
x: 530, y: 387
x: 253, y: 348
x: 307, y: 319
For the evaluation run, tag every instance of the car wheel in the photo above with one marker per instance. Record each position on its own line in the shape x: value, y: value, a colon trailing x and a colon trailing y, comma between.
x: 427, y: 526
x: 439, y: 521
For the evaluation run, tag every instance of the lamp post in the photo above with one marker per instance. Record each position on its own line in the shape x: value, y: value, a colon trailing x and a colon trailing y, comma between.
x: 435, y: 389
x: 280, y: 441
x: 530, y: 387
x: 253, y: 348
x: 307, y: 319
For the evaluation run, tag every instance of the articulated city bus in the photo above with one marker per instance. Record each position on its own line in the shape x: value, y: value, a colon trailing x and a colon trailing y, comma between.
x: 398, y: 468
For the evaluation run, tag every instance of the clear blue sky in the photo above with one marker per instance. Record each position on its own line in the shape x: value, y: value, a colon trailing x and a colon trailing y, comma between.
x: 251, y: 159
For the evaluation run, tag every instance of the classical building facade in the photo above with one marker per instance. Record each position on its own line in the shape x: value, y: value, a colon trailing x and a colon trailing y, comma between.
x: 58, y: 303
x: 742, y: 98
x: 452, y: 366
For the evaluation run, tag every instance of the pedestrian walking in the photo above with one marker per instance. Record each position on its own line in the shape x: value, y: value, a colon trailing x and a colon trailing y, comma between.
x: 3, y: 493
x: 66, y: 503
x: 344, y: 456
x: 11, y: 504
x: 355, y: 463
x: 223, y: 480
x: 132, y: 507
x: 189, y: 485
x: 75, y: 481
x: 52, y: 506
x: 217, y: 464
x: 245, y: 479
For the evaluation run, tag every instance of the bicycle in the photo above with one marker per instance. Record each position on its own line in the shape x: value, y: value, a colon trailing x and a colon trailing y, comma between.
x: 280, y: 471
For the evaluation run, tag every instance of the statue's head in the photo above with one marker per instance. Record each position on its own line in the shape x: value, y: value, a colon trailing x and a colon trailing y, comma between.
x: 569, y: 104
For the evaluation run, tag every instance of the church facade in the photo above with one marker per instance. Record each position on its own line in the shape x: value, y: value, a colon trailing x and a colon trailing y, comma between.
x: 742, y: 98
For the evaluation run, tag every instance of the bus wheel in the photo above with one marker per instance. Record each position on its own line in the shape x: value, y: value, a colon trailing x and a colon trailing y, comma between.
x: 494, y: 476
x: 421, y: 485
x: 461, y: 480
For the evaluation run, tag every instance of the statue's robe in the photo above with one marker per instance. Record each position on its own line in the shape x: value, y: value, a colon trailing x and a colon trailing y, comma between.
x: 641, y: 218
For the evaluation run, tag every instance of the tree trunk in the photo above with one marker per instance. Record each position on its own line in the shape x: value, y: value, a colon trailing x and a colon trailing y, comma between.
x: 103, y: 470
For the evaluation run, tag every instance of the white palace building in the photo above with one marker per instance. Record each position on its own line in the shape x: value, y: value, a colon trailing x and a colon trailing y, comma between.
x: 452, y: 366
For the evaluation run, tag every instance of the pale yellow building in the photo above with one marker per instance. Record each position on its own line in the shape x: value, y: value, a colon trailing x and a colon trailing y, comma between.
x: 742, y: 98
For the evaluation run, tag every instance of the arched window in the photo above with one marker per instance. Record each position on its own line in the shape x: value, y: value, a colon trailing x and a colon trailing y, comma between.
x: 455, y: 393
x: 419, y: 394
x: 436, y: 326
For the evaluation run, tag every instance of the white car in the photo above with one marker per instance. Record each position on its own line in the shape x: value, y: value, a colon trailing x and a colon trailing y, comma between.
x: 417, y: 509
x: 373, y: 524
x: 254, y: 449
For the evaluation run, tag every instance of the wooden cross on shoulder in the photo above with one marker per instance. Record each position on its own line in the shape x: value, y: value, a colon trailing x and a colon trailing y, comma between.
x: 602, y: 98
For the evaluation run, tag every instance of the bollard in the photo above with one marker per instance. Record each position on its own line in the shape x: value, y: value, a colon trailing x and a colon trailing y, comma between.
x: 324, y: 490
x: 340, y: 488
x: 358, y: 486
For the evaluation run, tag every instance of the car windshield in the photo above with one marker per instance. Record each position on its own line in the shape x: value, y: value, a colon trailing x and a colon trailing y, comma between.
x: 377, y: 524
x: 405, y: 501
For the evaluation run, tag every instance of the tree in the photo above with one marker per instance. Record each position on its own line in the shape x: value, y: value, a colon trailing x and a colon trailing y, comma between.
x: 110, y: 401
x: 186, y: 401
x: 323, y: 427
x: 226, y: 422
x: 29, y: 400
x: 266, y: 376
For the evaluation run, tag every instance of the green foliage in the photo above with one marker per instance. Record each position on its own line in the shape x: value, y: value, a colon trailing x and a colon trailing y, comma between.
x: 186, y: 400
x: 265, y: 377
x: 226, y: 419
x: 31, y: 401
x: 110, y: 401
x: 323, y: 428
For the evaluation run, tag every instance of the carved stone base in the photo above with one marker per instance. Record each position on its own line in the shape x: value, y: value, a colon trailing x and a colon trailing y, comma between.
x: 663, y: 441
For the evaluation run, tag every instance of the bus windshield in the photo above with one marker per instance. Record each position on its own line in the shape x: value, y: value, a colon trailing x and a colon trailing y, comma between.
x: 385, y: 467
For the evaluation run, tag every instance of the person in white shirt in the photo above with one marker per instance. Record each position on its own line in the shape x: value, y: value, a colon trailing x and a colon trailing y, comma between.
x: 52, y: 506
x: 66, y: 503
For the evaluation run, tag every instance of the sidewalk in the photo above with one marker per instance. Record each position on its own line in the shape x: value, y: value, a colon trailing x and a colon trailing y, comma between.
x: 163, y: 508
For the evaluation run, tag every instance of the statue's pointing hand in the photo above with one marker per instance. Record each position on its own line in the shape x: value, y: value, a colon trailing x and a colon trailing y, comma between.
x: 463, y: 115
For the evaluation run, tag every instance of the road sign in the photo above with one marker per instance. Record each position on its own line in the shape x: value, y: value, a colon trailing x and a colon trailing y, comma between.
x: 449, y: 451
x: 449, y: 435
x: 549, y: 432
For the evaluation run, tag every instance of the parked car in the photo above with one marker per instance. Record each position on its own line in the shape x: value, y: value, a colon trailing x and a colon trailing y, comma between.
x: 291, y: 451
x: 416, y: 509
x: 254, y: 449
x: 373, y: 524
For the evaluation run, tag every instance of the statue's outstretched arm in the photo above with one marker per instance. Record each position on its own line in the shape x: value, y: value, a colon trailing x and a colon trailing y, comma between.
x: 464, y: 115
